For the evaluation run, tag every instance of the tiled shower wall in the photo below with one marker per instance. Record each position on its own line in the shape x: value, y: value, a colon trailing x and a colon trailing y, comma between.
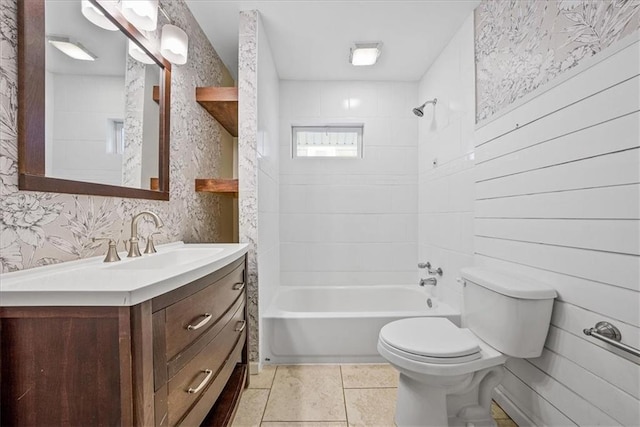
x: 445, y: 164
x: 350, y: 221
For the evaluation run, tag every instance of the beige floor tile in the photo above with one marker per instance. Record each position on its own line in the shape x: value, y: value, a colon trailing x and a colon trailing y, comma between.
x: 251, y: 407
x: 305, y: 424
x: 373, y: 407
x: 497, y: 413
x: 369, y: 376
x: 306, y: 393
x: 264, y: 379
x: 506, y: 423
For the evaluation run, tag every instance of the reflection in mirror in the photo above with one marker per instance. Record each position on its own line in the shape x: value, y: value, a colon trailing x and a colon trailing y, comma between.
x: 101, y: 118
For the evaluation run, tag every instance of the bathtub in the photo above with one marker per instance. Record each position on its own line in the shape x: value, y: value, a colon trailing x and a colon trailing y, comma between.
x: 339, y: 324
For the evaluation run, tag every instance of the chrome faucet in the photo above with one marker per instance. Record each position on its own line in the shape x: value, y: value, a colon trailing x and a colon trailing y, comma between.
x: 134, y: 249
x: 431, y: 281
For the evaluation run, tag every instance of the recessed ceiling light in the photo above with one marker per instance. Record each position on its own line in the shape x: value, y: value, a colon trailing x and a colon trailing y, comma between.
x: 71, y: 48
x: 365, y: 53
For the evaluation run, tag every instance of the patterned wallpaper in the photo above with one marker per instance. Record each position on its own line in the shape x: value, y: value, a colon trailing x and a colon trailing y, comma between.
x: 44, y: 228
x: 523, y: 44
x: 248, y: 164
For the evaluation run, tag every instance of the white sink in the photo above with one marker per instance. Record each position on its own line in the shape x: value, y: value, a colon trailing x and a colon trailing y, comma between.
x: 164, y: 260
x: 91, y: 282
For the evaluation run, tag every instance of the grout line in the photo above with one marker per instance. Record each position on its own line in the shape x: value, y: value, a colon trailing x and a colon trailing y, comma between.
x: 344, y: 397
x: 264, y: 410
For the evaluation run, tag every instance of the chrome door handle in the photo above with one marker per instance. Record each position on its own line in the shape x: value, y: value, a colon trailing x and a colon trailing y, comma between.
x: 204, y: 382
x: 241, y: 327
x: 238, y: 286
x: 201, y: 323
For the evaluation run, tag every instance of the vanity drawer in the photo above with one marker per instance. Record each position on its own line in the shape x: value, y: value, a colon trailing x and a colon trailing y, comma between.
x: 191, y: 317
x: 193, y: 381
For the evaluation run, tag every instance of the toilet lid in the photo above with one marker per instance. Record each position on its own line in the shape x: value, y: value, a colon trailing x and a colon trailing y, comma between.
x: 434, y: 337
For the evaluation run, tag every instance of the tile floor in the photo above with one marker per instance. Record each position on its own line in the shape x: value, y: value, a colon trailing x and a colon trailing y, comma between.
x: 325, y: 396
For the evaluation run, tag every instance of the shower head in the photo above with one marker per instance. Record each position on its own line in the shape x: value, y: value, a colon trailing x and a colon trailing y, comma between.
x: 419, y: 111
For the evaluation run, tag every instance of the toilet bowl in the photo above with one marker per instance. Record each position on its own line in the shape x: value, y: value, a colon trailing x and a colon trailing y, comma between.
x: 447, y: 373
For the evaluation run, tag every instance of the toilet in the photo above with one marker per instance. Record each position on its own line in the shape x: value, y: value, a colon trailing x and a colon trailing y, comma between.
x: 447, y: 373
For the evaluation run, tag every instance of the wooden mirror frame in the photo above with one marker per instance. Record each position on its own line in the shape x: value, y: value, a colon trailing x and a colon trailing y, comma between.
x: 31, y: 108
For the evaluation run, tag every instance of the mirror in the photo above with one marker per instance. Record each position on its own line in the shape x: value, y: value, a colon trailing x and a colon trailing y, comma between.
x: 93, y: 120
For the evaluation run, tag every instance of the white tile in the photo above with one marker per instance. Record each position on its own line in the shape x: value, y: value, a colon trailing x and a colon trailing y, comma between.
x: 389, y: 101
x: 377, y: 132
x: 293, y: 198
x: 363, y: 99
x: 305, y: 100
x: 404, y: 131
x: 334, y: 99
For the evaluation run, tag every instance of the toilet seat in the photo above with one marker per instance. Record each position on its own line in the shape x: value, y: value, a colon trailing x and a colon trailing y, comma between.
x: 430, y: 340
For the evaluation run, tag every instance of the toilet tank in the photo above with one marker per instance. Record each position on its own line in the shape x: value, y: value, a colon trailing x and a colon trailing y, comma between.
x: 510, y: 313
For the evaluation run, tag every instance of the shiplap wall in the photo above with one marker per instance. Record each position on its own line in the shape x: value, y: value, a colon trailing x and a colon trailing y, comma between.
x: 558, y: 199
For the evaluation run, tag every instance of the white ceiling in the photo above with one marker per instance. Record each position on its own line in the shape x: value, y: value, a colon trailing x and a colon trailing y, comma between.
x: 64, y: 18
x: 310, y: 39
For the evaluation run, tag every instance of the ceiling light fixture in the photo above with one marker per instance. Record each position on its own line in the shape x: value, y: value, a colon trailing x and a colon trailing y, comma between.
x: 174, y: 44
x: 143, y: 14
x: 365, y: 53
x: 137, y: 53
x: 95, y: 16
x: 71, y: 48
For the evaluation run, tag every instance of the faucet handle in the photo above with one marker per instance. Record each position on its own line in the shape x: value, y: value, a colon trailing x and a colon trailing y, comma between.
x: 112, y: 252
x: 151, y: 248
x: 430, y: 271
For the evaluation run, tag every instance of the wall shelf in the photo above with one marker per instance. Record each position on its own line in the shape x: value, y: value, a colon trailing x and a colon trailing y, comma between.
x: 222, y: 104
x: 217, y: 185
x: 156, y: 94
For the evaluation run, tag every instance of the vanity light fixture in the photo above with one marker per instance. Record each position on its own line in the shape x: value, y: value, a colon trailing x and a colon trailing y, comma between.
x: 174, y: 44
x: 95, y: 16
x: 143, y: 14
x: 365, y: 53
x: 138, y: 54
x: 71, y: 48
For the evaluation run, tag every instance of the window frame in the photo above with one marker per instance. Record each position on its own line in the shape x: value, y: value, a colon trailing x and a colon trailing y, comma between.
x: 358, y: 127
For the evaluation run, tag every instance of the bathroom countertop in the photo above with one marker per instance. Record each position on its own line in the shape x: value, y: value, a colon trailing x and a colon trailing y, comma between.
x: 92, y: 282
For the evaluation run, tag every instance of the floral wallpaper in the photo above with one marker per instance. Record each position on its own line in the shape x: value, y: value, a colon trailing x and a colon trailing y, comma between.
x: 523, y: 44
x: 44, y: 228
x: 248, y: 165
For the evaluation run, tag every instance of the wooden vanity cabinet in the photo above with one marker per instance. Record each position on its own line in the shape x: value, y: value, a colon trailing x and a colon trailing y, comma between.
x: 177, y: 359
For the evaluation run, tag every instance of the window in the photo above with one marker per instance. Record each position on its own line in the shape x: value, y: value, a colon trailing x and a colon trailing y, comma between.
x: 327, y: 141
x: 115, y: 136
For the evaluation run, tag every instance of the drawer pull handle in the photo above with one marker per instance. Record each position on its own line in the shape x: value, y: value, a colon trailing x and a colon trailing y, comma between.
x: 204, y: 382
x: 241, y: 327
x: 238, y: 286
x: 201, y: 323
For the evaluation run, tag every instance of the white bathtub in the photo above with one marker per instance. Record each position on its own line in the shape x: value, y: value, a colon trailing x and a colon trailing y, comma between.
x: 336, y: 324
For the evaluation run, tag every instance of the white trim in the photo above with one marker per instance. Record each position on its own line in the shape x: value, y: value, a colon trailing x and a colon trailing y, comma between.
x: 580, y: 68
x: 501, y: 396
